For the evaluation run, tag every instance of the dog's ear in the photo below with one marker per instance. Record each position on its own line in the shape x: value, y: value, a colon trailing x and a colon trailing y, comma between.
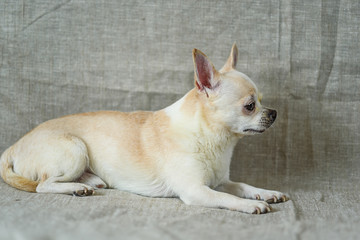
x: 232, y: 60
x: 205, y: 73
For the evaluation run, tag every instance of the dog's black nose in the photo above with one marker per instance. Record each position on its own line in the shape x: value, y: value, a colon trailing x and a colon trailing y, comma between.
x: 272, y: 115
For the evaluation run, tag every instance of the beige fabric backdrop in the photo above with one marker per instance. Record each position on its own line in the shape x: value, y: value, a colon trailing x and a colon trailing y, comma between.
x: 63, y: 57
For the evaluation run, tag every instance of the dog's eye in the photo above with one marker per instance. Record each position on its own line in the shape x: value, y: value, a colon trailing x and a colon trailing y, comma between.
x: 250, y: 107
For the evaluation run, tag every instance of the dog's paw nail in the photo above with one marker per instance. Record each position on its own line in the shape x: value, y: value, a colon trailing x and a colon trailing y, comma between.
x: 257, y: 210
x: 274, y: 199
x: 268, y: 209
x: 78, y: 193
x: 257, y: 197
x: 284, y: 198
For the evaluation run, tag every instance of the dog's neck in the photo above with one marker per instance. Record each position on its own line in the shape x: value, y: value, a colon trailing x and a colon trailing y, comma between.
x: 193, y: 115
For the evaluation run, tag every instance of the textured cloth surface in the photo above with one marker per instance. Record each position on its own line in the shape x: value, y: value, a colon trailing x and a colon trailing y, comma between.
x: 64, y: 57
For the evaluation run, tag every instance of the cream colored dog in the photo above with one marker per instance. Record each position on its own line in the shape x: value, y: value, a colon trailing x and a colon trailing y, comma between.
x: 183, y: 150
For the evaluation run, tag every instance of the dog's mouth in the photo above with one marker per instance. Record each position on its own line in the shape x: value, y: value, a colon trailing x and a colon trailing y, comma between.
x: 250, y: 130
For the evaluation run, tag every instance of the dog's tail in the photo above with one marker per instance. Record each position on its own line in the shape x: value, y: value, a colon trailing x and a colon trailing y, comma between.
x: 13, y: 179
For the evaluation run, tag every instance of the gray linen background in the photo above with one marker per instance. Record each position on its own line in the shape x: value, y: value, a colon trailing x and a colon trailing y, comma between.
x: 64, y: 57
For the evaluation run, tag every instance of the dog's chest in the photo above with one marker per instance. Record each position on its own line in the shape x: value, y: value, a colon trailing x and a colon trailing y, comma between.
x: 215, y: 160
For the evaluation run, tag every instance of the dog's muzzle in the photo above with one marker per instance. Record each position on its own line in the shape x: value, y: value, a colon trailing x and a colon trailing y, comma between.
x: 268, y: 118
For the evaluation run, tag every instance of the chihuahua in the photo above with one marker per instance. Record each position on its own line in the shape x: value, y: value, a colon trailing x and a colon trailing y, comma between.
x: 183, y: 150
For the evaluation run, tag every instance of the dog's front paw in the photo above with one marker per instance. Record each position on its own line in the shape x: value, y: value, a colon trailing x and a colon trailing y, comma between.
x: 271, y: 196
x: 258, y: 207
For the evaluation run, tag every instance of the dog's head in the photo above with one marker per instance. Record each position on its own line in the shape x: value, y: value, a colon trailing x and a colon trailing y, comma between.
x: 232, y: 97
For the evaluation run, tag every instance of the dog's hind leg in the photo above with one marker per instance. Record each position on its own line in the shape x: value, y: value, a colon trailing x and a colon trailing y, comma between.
x: 69, y: 160
x: 92, y: 180
x: 63, y: 185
